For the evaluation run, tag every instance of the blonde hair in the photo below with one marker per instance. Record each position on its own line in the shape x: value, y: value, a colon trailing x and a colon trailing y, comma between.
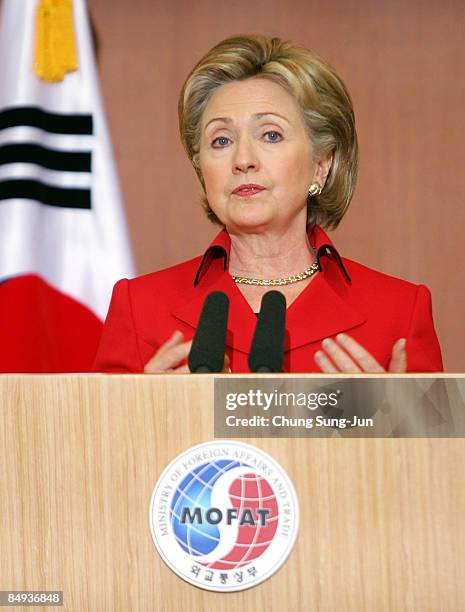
x: 322, y: 97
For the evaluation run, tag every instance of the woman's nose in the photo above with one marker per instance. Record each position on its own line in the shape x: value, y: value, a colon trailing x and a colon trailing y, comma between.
x: 245, y: 157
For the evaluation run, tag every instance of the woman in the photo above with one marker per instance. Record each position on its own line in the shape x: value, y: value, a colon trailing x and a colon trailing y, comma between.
x: 270, y: 130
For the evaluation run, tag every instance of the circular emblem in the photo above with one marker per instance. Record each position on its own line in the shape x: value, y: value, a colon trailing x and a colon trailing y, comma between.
x: 224, y: 515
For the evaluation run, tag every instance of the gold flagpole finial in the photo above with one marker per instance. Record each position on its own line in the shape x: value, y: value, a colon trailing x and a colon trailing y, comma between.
x: 55, y: 43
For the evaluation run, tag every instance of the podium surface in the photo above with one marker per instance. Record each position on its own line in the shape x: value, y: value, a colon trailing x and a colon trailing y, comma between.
x: 382, y: 521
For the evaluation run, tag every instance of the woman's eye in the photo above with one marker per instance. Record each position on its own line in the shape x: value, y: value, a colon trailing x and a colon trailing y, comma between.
x: 220, y: 142
x: 273, y: 136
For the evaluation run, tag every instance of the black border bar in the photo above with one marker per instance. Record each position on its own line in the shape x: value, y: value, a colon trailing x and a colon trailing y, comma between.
x: 56, y: 123
x: 46, y: 194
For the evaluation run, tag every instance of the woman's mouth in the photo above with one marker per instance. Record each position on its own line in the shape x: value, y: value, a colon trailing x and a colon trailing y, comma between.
x: 246, y: 191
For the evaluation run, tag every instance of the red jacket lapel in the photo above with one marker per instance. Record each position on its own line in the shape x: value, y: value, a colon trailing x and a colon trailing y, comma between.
x: 241, y: 319
x: 319, y: 312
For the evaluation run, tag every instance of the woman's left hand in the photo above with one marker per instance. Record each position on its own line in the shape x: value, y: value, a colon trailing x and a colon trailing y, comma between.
x: 347, y: 355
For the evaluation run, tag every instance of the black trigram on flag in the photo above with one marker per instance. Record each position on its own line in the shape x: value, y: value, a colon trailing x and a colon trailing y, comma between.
x: 34, y: 151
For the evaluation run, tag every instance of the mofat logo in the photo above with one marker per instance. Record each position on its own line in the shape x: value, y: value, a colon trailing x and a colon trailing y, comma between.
x: 224, y: 516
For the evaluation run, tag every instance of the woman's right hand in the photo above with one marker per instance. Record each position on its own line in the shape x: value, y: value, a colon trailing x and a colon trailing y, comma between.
x: 171, y: 354
x: 168, y: 357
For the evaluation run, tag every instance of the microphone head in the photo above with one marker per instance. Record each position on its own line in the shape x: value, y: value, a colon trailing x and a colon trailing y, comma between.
x: 209, y: 344
x: 267, y: 350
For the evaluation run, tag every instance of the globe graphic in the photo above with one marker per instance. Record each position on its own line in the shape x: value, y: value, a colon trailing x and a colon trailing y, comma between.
x: 249, y: 490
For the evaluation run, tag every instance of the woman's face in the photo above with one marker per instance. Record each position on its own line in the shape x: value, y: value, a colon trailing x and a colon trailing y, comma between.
x: 252, y: 134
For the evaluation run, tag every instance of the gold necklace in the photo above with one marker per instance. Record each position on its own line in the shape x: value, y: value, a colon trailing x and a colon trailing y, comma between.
x: 272, y: 282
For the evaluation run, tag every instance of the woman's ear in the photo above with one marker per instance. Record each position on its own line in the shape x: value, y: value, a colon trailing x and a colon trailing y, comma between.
x: 323, y: 166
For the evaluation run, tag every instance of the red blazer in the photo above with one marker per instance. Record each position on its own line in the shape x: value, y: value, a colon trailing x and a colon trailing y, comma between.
x: 375, y: 309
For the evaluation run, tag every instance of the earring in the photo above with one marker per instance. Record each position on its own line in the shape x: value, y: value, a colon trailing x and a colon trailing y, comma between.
x: 314, y: 190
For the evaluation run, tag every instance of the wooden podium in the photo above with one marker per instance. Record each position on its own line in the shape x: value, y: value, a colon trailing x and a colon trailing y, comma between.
x: 382, y: 521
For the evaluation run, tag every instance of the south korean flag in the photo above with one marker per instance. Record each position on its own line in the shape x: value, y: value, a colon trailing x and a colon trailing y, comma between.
x: 61, y: 213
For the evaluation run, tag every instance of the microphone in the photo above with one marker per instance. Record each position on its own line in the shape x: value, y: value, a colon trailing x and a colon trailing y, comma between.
x: 208, y: 346
x: 267, y: 350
